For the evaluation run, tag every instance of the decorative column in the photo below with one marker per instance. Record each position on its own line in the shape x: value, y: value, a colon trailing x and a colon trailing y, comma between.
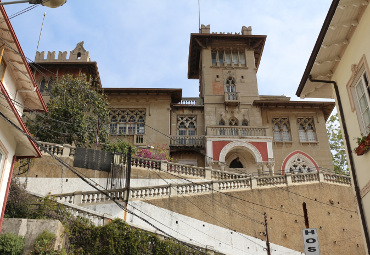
x: 270, y: 166
x: 260, y: 168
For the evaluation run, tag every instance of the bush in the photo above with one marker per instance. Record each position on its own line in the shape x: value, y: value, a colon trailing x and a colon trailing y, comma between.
x: 11, y: 244
x: 44, y: 245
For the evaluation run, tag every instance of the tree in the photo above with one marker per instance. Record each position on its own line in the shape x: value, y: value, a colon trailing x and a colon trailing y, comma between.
x: 77, y: 112
x: 337, y: 145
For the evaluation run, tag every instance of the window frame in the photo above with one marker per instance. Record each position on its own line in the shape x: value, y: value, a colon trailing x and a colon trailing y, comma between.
x: 3, y: 160
x: 183, y: 125
x: 306, y: 130
x: 127, y: 122
x: 280, y: 122
x: 2, y: 61
x: 359, y: 80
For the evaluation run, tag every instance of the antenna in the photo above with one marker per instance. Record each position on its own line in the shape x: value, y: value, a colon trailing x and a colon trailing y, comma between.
x: 199, y: 13
x: 37, y: 49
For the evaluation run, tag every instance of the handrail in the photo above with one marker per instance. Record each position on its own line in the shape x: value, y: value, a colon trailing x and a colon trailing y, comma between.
x: 197, y: 188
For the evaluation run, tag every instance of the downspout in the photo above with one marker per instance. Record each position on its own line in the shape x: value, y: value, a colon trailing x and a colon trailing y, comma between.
x: 350, y: 156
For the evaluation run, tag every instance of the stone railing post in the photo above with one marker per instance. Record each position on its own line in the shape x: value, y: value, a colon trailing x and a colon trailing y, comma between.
x: 164, y: 165
x: 215, y: 186
x: 77, y: 197
x: 321, y: 177
x: 173, y: 191
x: 288, y: 179
x: 208, y: 173
x: 66, y: 150
x: 253, y: 183
x: 106, y: 220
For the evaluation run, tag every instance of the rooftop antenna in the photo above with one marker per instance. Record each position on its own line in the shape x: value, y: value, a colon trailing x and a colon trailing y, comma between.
x: 37, y: 49
x: 199, y: 13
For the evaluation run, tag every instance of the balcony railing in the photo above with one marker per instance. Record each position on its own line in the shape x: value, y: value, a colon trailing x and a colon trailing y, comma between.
x: 191, y: 101
x: 181, y: 140
x: 239, y: 131
x: 232, y: 97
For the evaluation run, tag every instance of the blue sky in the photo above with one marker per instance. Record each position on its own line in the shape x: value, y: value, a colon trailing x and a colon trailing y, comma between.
x: 145, y: 43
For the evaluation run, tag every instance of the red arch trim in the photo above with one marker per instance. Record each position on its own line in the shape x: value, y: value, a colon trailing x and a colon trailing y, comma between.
x: 294, y: 153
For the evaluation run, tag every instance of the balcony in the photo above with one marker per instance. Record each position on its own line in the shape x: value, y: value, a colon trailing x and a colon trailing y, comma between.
x: 191, y: 101
x: 187, y: 141
x: 232, y: 98
x: 236, y: 131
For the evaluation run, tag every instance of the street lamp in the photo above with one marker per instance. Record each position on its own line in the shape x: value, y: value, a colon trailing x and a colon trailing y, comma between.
x: 47, y: 3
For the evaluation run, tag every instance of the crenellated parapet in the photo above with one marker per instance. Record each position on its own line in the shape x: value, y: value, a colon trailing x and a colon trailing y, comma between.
x: 78, y: 54
x: 206, y: 29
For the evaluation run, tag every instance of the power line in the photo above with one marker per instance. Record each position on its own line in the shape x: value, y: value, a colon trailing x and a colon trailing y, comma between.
x: 92, y: 185
x: 225, y: 224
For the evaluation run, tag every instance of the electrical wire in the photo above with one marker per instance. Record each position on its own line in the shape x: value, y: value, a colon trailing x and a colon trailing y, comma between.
x: 94, y: 186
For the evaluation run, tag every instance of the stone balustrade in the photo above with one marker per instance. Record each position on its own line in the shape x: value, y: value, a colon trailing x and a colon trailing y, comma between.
x: 146, y: 163
x: 200, y: 172
x: 98, y: 219
x: 186, y: 141
x: 222, y: 175
x: 58, y: 149
x: 198, y: 188
x: 238, y: 131
x: 191, y: 101
x: 184, y: 169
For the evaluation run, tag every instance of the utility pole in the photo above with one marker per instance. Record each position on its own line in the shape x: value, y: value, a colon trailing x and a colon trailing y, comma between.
x: 128, y: 178
x: 267, y: 236
x: 305, y: 213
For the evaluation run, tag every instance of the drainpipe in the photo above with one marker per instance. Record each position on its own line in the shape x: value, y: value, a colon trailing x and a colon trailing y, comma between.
x: 350, y: 156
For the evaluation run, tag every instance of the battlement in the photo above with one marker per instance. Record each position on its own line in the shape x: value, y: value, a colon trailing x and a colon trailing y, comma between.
x: 78, y: 54
x: 207, y: 30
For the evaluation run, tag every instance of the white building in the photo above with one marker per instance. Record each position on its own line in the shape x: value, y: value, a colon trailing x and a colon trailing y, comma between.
x: 18, y: 92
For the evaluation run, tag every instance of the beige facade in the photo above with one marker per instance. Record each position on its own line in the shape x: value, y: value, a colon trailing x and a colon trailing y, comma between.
x: 230, y: 126
x: 341, y: 56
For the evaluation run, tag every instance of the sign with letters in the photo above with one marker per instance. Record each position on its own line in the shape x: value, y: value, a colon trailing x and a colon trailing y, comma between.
x: 311, y: 241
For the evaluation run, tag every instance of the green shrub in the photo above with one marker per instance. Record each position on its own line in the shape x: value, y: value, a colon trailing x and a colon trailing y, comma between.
x: 11, y: 244
x: 44, y: 244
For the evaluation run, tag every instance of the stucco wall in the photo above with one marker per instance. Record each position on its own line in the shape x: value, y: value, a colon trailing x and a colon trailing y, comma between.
x: 337, y: 223
x: 193, y: 231
x: 31, y: 229
x: 358, y: 49
x: 319, y: 151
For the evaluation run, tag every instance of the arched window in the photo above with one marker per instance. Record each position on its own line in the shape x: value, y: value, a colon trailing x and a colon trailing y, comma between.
x: 127, y: 122
x: 122, y: 125
x: 230, y: 84
x: 298, y: 162
x: 50, y: 84
x: 233, y: 122
x: 306, y: 130
x: 42, y: 84
x: 187, y: 125
x: 113, y: 125
x: 233, y: 131
x: 140, y: 125
x: 230, y: 89
x: 281, y: 129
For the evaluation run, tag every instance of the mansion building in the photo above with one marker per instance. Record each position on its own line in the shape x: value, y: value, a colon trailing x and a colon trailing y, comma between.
x: 230, y: 126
